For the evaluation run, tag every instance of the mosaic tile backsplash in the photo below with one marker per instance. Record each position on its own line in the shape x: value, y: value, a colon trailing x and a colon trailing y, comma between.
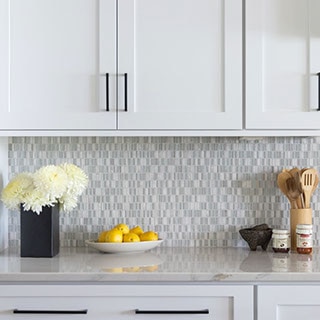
x: 194, y: 191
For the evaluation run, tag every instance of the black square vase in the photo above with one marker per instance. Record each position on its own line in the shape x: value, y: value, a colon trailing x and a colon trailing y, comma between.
x: 40, y: 236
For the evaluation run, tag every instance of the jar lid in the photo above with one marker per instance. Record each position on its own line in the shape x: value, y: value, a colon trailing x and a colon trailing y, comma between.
x: 280, y: 231
x: 304, y: 226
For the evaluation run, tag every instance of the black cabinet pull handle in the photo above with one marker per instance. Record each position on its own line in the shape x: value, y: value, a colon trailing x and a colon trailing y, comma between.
x: 204, y: 311
x: 125, y: 92
x: 318, y: 74
x: 84, y: 311
x: 107, y: 92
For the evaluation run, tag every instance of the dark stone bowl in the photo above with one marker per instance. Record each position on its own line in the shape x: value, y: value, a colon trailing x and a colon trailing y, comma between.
x: 257, y: 236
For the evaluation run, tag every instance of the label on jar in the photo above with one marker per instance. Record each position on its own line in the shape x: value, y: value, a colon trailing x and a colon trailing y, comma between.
x: 281, y: 243
x: 304, y: 241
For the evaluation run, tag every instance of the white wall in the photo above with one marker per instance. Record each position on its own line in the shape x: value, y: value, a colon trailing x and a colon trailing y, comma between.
x: 3, y: 182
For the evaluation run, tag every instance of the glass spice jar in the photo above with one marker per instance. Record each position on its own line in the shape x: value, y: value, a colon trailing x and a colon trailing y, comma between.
x: 304, y: 238
x: 281, y: 240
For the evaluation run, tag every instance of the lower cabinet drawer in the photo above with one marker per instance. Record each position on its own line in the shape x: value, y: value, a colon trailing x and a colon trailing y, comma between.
x: 117, y: 308
x: 125, y: 303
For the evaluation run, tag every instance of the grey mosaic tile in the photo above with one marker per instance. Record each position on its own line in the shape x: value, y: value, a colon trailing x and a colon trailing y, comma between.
x: 195, y: 191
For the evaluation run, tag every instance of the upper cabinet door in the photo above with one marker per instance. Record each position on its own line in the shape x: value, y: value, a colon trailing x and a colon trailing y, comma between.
x: 282, y: 62
x: 180, y: 64
x: 50, y: 55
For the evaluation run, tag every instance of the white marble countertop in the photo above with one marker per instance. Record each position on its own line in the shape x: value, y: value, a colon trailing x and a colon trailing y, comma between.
x: 162, y: 264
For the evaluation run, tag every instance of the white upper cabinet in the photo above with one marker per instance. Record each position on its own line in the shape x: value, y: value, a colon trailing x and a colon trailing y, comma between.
x: 120, y: 64
x: 51, y: 75
x: 159, y: 65
x: 282, y: 62
x: 181, y: 61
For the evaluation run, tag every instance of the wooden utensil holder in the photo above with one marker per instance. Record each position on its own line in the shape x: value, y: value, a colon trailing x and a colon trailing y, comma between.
x: 298, y: 216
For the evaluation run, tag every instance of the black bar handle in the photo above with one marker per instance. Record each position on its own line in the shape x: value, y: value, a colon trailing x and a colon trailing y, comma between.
x: 318, y: 74
x: 84, y: 311
x: 107, y: 92
x: 204, y: 311
x: 125, y: 92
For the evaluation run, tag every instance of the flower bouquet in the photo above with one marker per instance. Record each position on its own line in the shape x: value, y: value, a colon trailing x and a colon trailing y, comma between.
x: 46, y: 191
x: 48, y: 186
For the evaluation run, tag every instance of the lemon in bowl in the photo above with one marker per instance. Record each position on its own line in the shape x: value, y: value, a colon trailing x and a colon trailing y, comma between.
x: 131, y: 237
x: 122, y: 227
x: 149, y: 236
x: 137, y: 230
x: 114, y: 235
x: 102, y: 236
x: 122, y: 239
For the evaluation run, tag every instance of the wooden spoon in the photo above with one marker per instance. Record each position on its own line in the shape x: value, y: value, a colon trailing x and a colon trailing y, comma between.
x: 293, y: 192
x: 293, y: 172
x: 282, y: 183
x: 308, y: 178
x: 297, y: 177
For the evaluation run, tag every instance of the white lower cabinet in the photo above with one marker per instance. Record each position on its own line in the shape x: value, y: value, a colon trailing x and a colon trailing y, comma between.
x: 293, y: 302
x: 124, y: 302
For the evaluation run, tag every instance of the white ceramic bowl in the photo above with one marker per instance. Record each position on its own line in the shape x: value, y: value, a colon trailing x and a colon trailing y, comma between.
x: 123, y: 247
x: 129, y: 262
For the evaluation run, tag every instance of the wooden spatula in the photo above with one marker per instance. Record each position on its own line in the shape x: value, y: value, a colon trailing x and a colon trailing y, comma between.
x: 316, y: 182
x: 308, y: 179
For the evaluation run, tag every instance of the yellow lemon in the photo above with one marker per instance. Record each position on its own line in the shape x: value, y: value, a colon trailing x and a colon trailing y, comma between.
x: 149, y: 236
x: 137, y: 230
x: 114, y: 235
x: 102, y: 236
x: 131, y: 237
x: 122, y: 227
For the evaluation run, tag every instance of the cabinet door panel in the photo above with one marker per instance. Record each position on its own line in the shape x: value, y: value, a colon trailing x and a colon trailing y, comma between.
x: 54, y: 74
x: 183, y: 63
x: 288, y: 302
x: 282, y: 50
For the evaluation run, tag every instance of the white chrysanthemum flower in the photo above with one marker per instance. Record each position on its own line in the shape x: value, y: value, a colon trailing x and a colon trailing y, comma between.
x: 52, y: 181
x: 67, y: 202
x: 78, y: 180
x: 48, y: 186
x: 36, y: 200
x: 16, y: 190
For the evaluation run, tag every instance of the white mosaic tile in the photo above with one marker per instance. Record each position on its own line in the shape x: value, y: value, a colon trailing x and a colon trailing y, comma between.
x: 195, y: 191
